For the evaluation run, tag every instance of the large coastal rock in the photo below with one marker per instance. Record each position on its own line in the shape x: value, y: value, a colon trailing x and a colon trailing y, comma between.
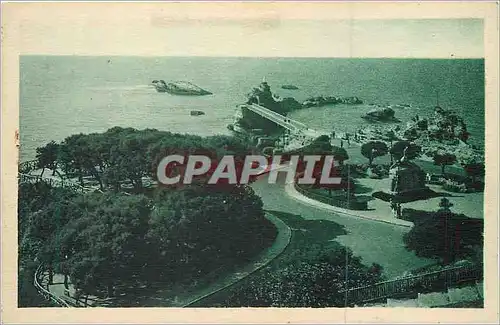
x: 381, y: 115
x: 263, y: 96
x: 445, y: 127
x: 179, y: 88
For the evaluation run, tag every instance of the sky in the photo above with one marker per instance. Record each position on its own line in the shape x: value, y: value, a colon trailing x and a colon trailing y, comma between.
x: 102, y: 31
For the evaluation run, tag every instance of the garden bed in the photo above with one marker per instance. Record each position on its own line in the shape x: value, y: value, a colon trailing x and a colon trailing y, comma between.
x: 341, y: 201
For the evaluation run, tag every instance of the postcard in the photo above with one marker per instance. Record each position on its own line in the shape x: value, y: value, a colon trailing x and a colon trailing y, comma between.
x: 226, y: 162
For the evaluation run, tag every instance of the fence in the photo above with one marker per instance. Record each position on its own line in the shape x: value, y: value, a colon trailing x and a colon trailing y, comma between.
x: 37, y: 282
x: 446, y: 277
x: 55, y: 182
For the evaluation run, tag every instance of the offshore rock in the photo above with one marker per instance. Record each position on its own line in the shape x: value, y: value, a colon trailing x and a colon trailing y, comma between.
x: 381, y: 115
x: 330, y: 100
x: 179, y: 88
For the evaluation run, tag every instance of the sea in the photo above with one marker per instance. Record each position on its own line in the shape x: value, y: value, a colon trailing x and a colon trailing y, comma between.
x: 64, y: 95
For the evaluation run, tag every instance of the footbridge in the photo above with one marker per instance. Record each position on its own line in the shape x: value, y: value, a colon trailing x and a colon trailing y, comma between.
x: 299, y: 134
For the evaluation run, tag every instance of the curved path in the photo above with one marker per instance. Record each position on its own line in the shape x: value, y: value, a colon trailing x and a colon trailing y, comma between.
x: 376, y: 216
x: 281, y: 242
x: 374, y: 242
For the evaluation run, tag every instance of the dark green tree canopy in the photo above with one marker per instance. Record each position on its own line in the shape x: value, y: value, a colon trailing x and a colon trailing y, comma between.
x: 398, y: 149
x: 443, y: 159
x: 340, y: 154
x: 373, y: 149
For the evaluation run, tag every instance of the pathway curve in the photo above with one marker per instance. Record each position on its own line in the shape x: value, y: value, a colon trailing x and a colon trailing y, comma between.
x: 374, y: 242
x: 373, y: 215
x: 282, y: 240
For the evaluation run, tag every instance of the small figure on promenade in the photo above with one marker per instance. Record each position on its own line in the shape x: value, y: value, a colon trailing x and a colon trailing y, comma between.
x: 394, y: 207
x: 341, y: 143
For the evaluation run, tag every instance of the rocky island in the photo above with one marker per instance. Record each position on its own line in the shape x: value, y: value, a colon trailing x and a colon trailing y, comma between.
x: 290, y: 87
x: 381, y: 114
x: 331, y: 100
x: 179, y: 88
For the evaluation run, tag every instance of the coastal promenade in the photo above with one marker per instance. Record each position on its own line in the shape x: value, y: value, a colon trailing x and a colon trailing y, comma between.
x: 375, y: 235
x: 382, y: 213
x: 374, y: 242
x: 470, y: 204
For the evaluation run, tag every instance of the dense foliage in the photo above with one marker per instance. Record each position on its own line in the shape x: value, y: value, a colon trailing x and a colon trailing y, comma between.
x: 407, y: 148
x: 373, y: 149
x: 313, y: 276
x: 444, y: 235
x: 108, y: 240
x: 122, y: 156
x: 111, y: 240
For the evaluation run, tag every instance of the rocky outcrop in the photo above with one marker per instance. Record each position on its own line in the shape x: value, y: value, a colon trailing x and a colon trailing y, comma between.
x: 381, y: 115
x: 179, y: 88
x: 445, y: 127
x: 290, y: 104
x: 263, y: 96
x: 329, y: 100
x: 197, y: 113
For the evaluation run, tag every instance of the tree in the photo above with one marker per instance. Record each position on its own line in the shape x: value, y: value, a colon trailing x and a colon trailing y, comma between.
x: 47, y: 156
x: 444, y: 159
x: 474, y: 170
x: 192, y: 226
x: 319, y: 146
x: 412, y: 150
x: 445, y: 235
x: 105, y: 241
x: 340, y: 154
x: 391, y: 136
x: 73, y: 155
x: 373, y: 149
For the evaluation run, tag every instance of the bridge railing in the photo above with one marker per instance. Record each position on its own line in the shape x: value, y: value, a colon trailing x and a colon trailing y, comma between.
x: 276, y: 117
x: 404, y: 285
x: 294, y: 123
x: 38, y: 283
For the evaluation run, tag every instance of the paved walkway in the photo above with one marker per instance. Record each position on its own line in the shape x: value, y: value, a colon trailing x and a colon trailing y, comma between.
x: 470, y: 204
x: 379, y: 215
x: 374, y: 242
x: 282, y: 240
x: 176, y: 298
